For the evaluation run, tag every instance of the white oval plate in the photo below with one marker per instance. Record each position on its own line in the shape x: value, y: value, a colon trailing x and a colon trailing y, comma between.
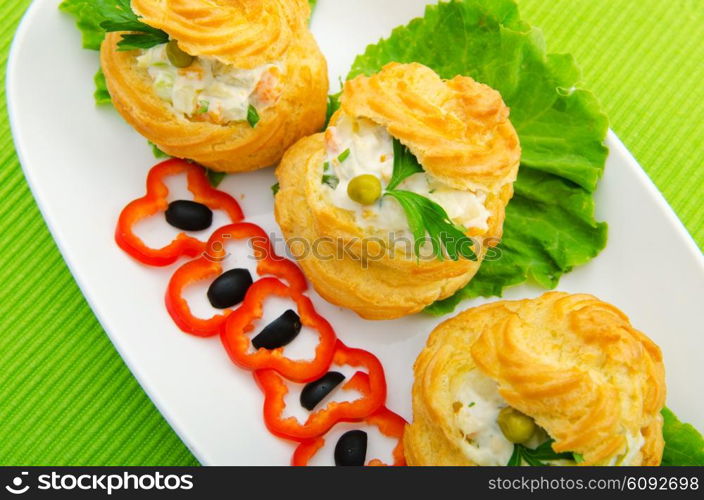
x: 84, y: 164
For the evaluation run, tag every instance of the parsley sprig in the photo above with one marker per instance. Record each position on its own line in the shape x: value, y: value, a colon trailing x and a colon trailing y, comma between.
x: 214, y: 177
x: 405, y: 165
x: 118, y: 16
x: 538, y: 456
x: 425, y: 217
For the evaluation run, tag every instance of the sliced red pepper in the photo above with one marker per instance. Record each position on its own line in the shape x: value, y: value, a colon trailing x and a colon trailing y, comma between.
x: 236, y: 339
x: 389, y: 424
x: 371, y: 384
x: 209, y: 266
x: 155, y: 201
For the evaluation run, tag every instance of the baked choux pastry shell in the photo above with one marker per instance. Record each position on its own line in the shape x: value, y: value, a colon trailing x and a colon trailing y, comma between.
x: 235, y: 146
x: 242, y: 33
x: 573, y: 363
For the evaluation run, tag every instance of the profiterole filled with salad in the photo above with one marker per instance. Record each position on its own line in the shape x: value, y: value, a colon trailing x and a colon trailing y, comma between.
x: 412, y: 177
x: 557, y: 380
x: 230, y: 85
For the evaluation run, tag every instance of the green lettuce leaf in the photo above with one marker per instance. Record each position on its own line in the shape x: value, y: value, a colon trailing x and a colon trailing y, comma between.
x: 101, y: 94
x: 550, y: 226
x: 214, y: 177
x: 684, y: 445
x: 88, y: 19
x: 158, y: 153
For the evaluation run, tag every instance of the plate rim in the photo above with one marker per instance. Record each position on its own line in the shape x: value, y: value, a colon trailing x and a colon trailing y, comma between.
x: 171, y: 420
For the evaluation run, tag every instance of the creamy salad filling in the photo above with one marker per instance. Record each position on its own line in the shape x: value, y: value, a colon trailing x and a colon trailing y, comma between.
x: 476, y: 408
x: 476, y: 413
x: 356, y: 147
x: 208, y: 90
x: 633, y: 446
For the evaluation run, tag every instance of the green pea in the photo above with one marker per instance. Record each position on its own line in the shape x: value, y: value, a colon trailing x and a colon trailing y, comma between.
x: 364, y: 189
x: 516, y: 426
x: 178, y: 57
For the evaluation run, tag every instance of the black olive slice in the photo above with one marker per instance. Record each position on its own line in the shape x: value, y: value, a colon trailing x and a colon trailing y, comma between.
x: 314, y: 392
x: 279, y: 332
x: 230, y: 288
x: 189, y: 215
x: 351, y: 448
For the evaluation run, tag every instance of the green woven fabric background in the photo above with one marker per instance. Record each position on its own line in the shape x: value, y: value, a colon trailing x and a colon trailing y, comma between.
x: 66, y: 397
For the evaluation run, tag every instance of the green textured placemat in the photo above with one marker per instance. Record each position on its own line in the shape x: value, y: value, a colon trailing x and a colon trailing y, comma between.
x: 66, y: 397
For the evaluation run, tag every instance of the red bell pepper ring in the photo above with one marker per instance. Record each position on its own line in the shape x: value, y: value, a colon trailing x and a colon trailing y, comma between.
x: 156, y: 201
x: 236, y: 334
x: 209, y: 266
x: 370, y: 384
x: 389, y: 424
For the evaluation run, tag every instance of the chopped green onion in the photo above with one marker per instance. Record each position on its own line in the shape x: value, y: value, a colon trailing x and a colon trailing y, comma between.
x: 252, y: 116
x: 331, y: 180
x: 343, y: 156
x: 204, y: 107
x: 427, y: 219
